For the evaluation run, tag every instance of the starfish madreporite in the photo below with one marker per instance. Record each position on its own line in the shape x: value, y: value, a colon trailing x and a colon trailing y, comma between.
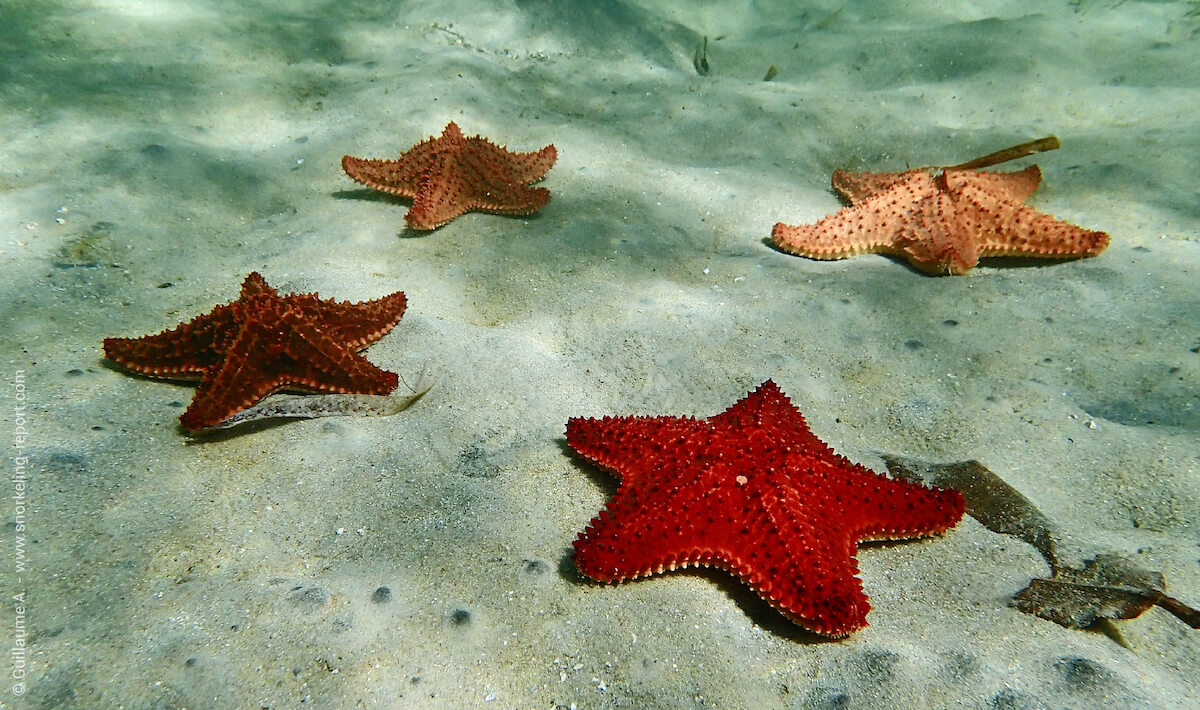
x: 264, y: 342
x: 754, y: 491
x: 941, y: 221
x: 452, y: 174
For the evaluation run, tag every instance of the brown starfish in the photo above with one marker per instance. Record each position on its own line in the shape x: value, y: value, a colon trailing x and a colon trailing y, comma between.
x: 942, y: 220
x: 450, y: 175
x: 263, y: 342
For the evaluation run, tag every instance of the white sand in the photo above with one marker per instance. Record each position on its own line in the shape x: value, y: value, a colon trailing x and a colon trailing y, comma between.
x: 156, y: 152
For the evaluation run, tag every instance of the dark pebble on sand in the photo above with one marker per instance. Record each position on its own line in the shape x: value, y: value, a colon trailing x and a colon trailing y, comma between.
x: 536, y: 566
x: 309, y: 596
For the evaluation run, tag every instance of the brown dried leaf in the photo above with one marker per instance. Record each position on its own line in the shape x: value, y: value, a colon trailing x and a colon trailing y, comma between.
x: 997, y: 505
x: 1107, y: 587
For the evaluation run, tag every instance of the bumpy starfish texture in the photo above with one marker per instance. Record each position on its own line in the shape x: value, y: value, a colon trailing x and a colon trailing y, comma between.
x: 264, y: 342
x: 450, y: 175
x: 941, y: 221
x: 754, y: 491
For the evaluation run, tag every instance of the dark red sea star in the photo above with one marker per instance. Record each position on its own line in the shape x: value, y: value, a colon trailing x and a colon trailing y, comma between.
x: 754, y: 491
x: 263, y: 342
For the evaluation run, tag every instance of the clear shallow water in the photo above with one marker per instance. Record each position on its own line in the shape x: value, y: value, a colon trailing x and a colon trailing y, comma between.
x: 156, y: 153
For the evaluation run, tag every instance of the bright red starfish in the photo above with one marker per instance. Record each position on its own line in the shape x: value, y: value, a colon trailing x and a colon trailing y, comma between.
x: 263, y: 342
x: 450, y: 175
x: 753, y: 491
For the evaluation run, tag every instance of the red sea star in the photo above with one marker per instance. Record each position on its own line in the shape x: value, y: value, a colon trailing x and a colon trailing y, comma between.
x: 942, y: 222
x: 263, y: 342
x: 754, y: 491
x: 450, y: 175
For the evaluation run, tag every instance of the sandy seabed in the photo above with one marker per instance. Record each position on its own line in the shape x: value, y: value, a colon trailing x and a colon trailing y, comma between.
x: 154, y: 153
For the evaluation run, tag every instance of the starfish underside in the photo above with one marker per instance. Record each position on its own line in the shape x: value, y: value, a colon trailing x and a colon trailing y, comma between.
x: 262, y: 343
x: 451, y: 174
x: 942, y: 222
x: 751, y: 490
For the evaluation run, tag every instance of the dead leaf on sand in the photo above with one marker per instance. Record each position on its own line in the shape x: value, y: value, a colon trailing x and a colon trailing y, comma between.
x: 1106, y: 587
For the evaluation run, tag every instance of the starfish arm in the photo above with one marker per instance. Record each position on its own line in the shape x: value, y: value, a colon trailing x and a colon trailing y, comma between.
x: 290, y: 354
x: 858, y: 187
x: 1017, y: 186
x: 802, y: 557
x: 473, y: 180
x: 1008, y: 228
x: 607, y: 441
x: 357, y: 325
x: 533, y: 166
x: 631, y: 539
x: 768, y: 407
x: 1034, y: 234
x: 240, y: 381
x: 436, y: 204
x: 817, y: 588
x: 186, y: 351
x: 255, y: 285
x: 405, y: 175
x: 838, y: 237
x: 396, y: 177
x: 669, y: 516
x: 512, y: 198
x: 870, y: 226
x: 523, y: 168
x: 325, y: 364
x: 804, y: 566
x: 876, y: 507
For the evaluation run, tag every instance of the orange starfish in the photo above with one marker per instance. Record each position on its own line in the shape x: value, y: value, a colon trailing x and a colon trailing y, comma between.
x: 942, y: 220
x: 450, y: 175
x: 263, y: 342
x: 754, y: 491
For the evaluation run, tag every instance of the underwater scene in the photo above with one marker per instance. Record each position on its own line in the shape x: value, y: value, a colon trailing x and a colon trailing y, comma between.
x: 565, y: 355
